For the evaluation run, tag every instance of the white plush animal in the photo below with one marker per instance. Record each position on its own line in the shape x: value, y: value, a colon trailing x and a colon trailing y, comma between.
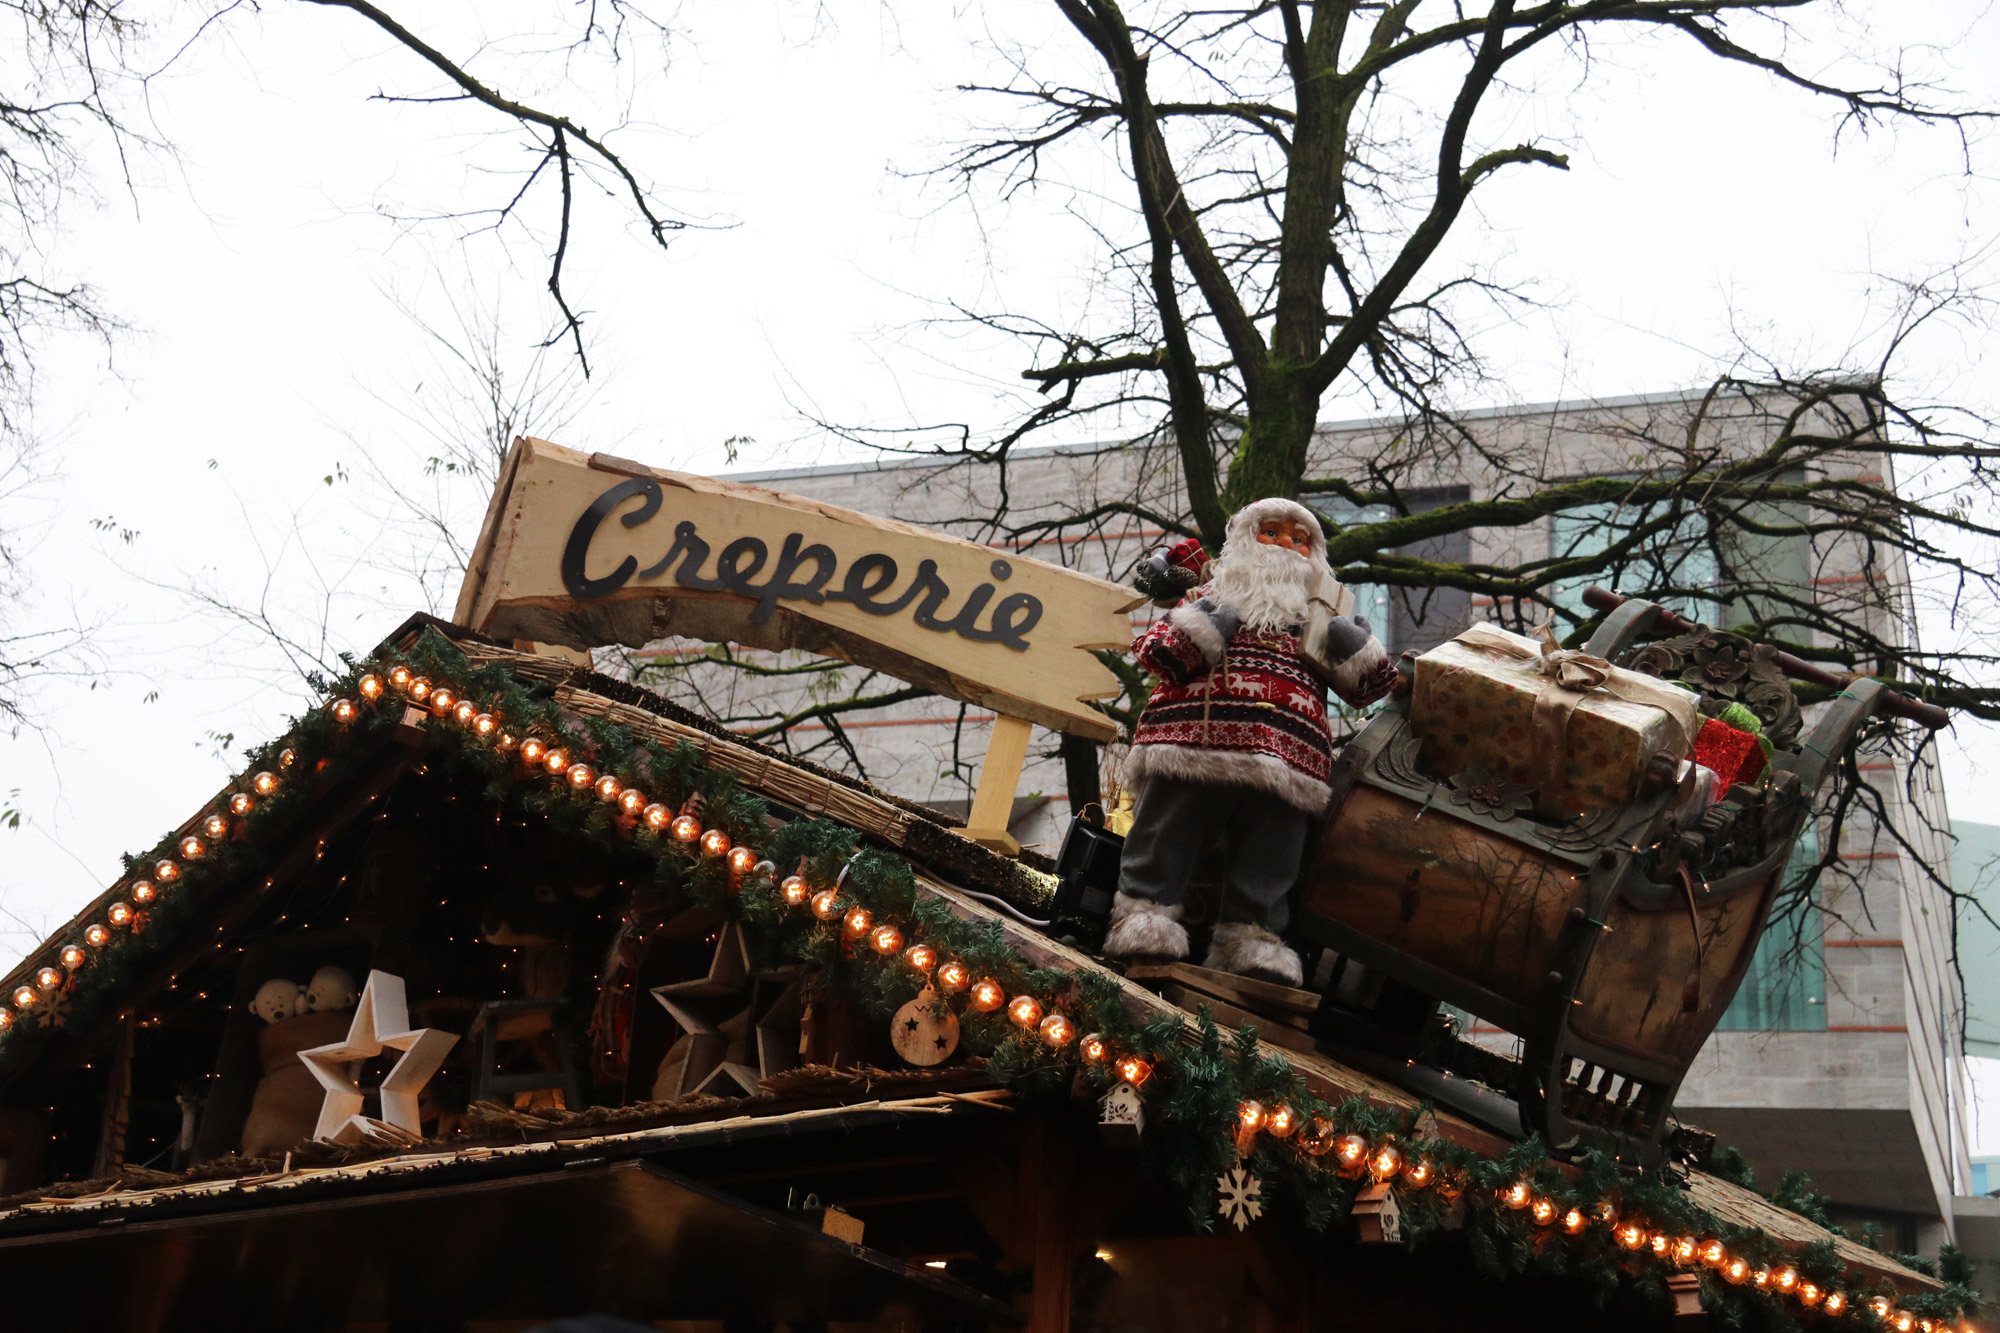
x: 332, y: 990
x: 277, y: 1000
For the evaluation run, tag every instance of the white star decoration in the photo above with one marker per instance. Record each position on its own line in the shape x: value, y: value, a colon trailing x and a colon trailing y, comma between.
x: 381, y: 1021
x: 1240, y: 1197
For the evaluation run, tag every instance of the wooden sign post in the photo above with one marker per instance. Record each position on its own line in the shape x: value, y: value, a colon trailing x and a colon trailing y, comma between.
x: 584, y: 550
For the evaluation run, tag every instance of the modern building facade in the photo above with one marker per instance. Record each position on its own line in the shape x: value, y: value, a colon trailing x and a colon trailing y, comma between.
x: 1843, y: 1053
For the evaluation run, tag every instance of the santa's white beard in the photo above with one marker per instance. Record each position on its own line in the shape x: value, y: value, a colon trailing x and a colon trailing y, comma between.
x: 1264, y: 584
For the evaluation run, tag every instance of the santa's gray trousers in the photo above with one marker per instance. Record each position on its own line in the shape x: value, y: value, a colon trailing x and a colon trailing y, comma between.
x: 1176, y: 820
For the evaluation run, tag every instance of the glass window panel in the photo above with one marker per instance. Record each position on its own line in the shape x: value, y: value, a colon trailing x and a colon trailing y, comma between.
x: 1785, y: 988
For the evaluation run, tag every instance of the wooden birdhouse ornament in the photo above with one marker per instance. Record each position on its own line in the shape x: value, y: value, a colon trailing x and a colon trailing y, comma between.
x: 1121, y: 1119
x: 1377, y: 1219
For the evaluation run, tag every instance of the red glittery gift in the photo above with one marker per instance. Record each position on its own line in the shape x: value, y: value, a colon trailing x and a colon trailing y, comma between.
x: 1734, y: 755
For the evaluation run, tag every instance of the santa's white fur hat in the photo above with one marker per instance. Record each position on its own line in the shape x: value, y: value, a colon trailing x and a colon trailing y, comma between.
x: 1243, y: 524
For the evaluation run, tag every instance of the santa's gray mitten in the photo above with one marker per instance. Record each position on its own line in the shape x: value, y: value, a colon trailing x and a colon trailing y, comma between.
x: 1362, y: 672
x: 1346, y: 636
x: 1161, y: 579
x: 1224, y: 618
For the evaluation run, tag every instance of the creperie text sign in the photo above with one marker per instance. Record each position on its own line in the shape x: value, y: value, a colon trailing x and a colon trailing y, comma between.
x: 584, y: 550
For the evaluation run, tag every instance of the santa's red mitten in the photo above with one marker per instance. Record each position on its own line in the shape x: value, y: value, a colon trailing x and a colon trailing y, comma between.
x: 1169, y: 572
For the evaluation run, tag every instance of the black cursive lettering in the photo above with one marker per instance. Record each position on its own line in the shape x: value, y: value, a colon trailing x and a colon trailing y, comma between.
x: 801, y: 573
x: 577, y: 549
x: 784, y: 585
x: 694, y: 554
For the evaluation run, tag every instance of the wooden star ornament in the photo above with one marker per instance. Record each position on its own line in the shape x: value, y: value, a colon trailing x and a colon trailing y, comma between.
x: 381, y: 1022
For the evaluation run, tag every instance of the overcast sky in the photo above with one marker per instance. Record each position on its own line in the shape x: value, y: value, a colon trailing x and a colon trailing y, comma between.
x: 266, y: 265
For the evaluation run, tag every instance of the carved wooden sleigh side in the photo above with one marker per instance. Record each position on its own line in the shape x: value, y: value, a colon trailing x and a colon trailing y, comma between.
x: 1612, y: 943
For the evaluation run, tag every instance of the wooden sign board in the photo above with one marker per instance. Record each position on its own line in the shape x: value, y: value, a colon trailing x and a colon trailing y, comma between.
x: 584, y: 550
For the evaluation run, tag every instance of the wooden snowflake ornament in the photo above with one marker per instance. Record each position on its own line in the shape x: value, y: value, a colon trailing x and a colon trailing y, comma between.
x: 1239, y: 1197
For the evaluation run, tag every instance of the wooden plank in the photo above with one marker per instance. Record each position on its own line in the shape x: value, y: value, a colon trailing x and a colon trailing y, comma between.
x: 1247, y: 992
x: 588, y: 550
x: 999, y: 778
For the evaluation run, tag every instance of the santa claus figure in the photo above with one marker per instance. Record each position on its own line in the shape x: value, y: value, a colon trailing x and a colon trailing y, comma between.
x: 1233, y: 746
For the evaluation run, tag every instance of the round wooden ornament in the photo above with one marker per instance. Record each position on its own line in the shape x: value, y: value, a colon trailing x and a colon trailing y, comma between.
x: 924, y: 1031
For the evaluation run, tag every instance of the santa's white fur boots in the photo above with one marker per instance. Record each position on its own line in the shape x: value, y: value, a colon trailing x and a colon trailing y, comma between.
x: 1142, y: 928
x: 1252, y: 951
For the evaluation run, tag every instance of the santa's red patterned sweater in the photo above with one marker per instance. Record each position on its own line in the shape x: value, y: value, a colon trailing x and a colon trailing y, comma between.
x: 1246, y: 713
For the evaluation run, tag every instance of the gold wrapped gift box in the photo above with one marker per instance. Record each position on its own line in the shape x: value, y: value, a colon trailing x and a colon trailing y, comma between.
x: 1597, y: 728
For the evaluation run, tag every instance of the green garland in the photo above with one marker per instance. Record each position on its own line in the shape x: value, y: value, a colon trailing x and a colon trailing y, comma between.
x: 1209, y: 1097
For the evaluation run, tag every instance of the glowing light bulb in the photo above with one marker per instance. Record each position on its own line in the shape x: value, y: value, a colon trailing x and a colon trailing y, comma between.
x: 826, y: 904
x: 1661, y: 1244
x: 193, y: 848
x: 856, y: 923
x: 1785, y: 1280
x: 657, y: 816
x: 215, y: 826
x: 1761, y: 1278
x: 1134, y: 1070
x: 507, y: 740
x: 1836, y: 1302
x: 72, y: 956
x: 631, y: 800
x: 264, y: 784
x: 242, y: 803
x: 795, y: 889
x: 953, y: 977
x: 143, y: 891
x: 687, y: 829
x: 466, y: 713
x: 485, y: 724
x: 167, y: 872
x: 987, y: 995
x: 1713, y: 1254
x: 6, y: 1019
x: 442, y: 700
x: 1631, y: 1236
x: 344, y: 711
x: 1736, y: 1270
x: 556, y: 760
x: 399, y: 676
x: 532, y: 750
x: 1250, y: 1115
x: 419, y: 688
x: 1387, y: 1162
x: 286, y: 758
x: 886, y: 940
x: 920, y: 957
x: 1095, y: 1050
x: 96, y: 936
x: 25, y: 997
x: 48, y: 978
x: 370, y: 686
x: 118, y: 914
x: 1057, y: 1030
x: 714, y: 842
x: 609, y: 788
x: 581, y: 775
x: 1351, y: 1149
x: 1809, y: 1294
x: 1418, y: 1173
x: 742, y: 860
x: 1281, y: 1122
x: 1543, y: 1212
x: 1574, y: 1221
x: 1025, y: 1011
x: 1684, y: 1249
x: 1516, y: 1195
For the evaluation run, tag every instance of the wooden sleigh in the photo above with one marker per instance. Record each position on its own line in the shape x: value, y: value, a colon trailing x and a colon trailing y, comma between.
x: 1611, y: 943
